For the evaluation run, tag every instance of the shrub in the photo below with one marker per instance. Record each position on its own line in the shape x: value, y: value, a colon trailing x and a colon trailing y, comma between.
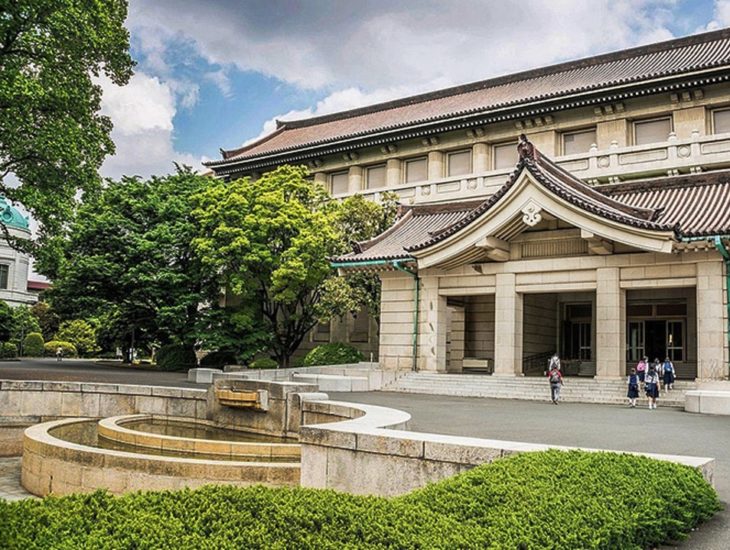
x: 332, y: 354
x: 264, y: 363
x: 8, y: 350
x: 69, y: 350
x: 81, y: 334
x: 176, y: 357
x: 554, y: 499
x: 218, y: 359
x: 33, y: 345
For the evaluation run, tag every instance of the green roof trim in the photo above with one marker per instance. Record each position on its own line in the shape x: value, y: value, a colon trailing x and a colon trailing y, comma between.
x: 11, y: 216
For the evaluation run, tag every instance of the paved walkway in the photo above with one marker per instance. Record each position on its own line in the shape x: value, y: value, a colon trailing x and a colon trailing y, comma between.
x: 10, y: 488
x: 670, y: 431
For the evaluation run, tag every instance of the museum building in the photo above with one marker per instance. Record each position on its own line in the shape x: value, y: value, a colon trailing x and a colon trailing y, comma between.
x: 582, y: 208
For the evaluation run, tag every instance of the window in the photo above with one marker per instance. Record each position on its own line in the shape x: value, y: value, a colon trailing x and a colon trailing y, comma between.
x: 416, y: 170
x: 505, y: 155
x: 360, y: 326
x: 578, y: 142
x: 4, y: 269
x: 636, y: 337
x: 652, y: 131
x: 459, y: 163
x: 339, y: 183
x: 721, y: 121
x: 322, y: 332
x: 675, y: 348
x: 375, y: 176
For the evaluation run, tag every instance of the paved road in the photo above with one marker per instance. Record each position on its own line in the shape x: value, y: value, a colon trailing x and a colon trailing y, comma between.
x: 85, y: 370
x: 669, y: 431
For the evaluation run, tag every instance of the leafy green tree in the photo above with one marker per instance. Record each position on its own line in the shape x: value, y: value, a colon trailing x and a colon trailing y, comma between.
x: 80, y: 333
x: 6, y: 321
x: 47, y: 319
x: 270, y: 240
x: 24, y: 322
x: 52, y: 137
x: 128, y: 261
x: 33, y: 345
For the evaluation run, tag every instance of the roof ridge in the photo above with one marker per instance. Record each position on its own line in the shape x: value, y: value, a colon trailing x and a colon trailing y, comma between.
x: 701, y: 179
x: 563, y: 66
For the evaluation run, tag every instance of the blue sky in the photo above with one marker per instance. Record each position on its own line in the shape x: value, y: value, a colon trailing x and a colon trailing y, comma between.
x: 217, y: 73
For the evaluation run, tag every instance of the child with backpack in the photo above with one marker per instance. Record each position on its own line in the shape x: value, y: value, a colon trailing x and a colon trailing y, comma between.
x: 641, y: 369
x: 555, y: 378
x: 668, y: 374
x: 651, y: 383
x: 633, y: 393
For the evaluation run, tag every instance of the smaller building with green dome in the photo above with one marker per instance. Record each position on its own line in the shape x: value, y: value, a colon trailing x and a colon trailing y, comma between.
x: 14, y: 265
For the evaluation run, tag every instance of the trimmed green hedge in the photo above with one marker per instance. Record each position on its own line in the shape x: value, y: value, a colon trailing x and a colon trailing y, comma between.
x: 175, y: 357
x: 558, y: 500
x: 218, y: 359
x: 33, y: 345
x: 69, y: 350
x: 8, y: 350
x: 264, y: 363
x: 332, y: 354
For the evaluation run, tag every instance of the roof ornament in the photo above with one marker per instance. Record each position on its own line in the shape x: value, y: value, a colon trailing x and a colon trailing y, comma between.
x: 526, y: 149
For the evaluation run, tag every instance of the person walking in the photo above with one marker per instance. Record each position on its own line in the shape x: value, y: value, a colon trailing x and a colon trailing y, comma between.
x: 641, y: 367
x: 59, y: 353
x: 651, y: 384
x: 555, y: 377
x: 668, y: 374
x: 633, y: 393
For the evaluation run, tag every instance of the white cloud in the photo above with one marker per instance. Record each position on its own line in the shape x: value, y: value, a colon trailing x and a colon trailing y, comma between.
x: 721, y: 15
x: 142, y: 113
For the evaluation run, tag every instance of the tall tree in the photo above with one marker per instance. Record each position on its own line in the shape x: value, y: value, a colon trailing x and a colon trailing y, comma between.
x: 270, y: 241
x: 52, y: 137
x: 128, y: 260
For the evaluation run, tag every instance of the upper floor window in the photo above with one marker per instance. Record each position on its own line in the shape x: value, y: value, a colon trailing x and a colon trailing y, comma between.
x: 653, y: 130
x: 458, y: 163
x: 721, y: 121
x: 339, y: 183
x: 504, y: 155
x: 4, y: 270
x: 375, y: 176
x: 416, y: 170
x: 578, y: 142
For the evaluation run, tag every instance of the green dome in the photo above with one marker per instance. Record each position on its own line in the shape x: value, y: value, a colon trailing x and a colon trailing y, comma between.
x: 11, y: 216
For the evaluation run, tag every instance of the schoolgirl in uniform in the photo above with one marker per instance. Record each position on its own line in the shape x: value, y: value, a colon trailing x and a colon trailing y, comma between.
x: 633, y: 393
x: 651, y: 385
x: 668, y: 374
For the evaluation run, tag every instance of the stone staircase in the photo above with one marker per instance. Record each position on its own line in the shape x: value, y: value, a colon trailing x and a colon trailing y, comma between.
x: 575, y: 390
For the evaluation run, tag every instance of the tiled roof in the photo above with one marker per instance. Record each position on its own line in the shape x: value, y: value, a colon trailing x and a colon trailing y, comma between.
x: 691, y: 206
x: 647, y: 63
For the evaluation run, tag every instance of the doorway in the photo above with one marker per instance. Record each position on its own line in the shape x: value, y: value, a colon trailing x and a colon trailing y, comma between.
x: 656, y: 339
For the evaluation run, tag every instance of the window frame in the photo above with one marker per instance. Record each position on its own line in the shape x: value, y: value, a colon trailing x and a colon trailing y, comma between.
x: 585, y: 130
x: 6, y: 269
x: 713, y: 127
x: 495, y: 146
x: 634, y: 123
x: 366, y: 171
x: 449, y: 154
x: 405, y: 168
x: 330, y: 181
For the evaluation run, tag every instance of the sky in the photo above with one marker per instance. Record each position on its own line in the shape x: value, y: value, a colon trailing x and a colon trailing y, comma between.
x: 217, y: 73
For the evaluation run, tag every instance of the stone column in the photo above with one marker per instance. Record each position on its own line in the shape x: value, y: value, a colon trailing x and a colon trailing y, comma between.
x: 355, y: 181
x: 435, y: 165
x: 481, y: 157
x: 456, y: 333
x: 392, y: 173
x: 432, y: 327
x: 711, y: 322
x: 507, y: 326
x: 610, y: 324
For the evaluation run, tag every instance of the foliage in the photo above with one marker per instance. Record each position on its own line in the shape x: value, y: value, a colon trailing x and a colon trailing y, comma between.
x: 81, y: 334
x: 33, y: 345
x: 264, y: 363
x: 48, y: 320
x: 24, y: 322
x: 8, y: 350
x: 218, y: 359
x: 269, y: 240
x: 176, y: 357
x: 6, y: 321
x: 69, y: 350
x: 53, y: 138
x: 553, y: 499
x: 128, y: 262
x: 333, y: 354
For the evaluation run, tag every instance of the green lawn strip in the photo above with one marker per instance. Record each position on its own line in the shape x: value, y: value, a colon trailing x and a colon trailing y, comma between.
x: 550, y: 499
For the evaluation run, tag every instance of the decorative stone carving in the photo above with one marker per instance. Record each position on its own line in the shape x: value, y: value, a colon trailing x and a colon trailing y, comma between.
x: 604, y: 162
x: 608, y: 109
x: 531, y: 214
x: 389, y: 149
x: 353, y: 155
x: 684, y: 151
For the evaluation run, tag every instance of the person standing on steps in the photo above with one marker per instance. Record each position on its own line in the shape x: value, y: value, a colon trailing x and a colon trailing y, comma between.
x: 641, y: 369
x: 633, y: 393
x: 651, y: 384
x: 555, y: 377
x: 553, y: 362
x: 668, y: 374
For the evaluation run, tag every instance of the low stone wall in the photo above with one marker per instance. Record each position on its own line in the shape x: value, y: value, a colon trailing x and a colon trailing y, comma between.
x: 370, y: 454
x: 51, y: 465
x: 708, y: 401
x: 24, y: 403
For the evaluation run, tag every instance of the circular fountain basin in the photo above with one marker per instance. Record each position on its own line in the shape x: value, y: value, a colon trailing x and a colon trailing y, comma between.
x: 68, y: 456
x: 195, y: 437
